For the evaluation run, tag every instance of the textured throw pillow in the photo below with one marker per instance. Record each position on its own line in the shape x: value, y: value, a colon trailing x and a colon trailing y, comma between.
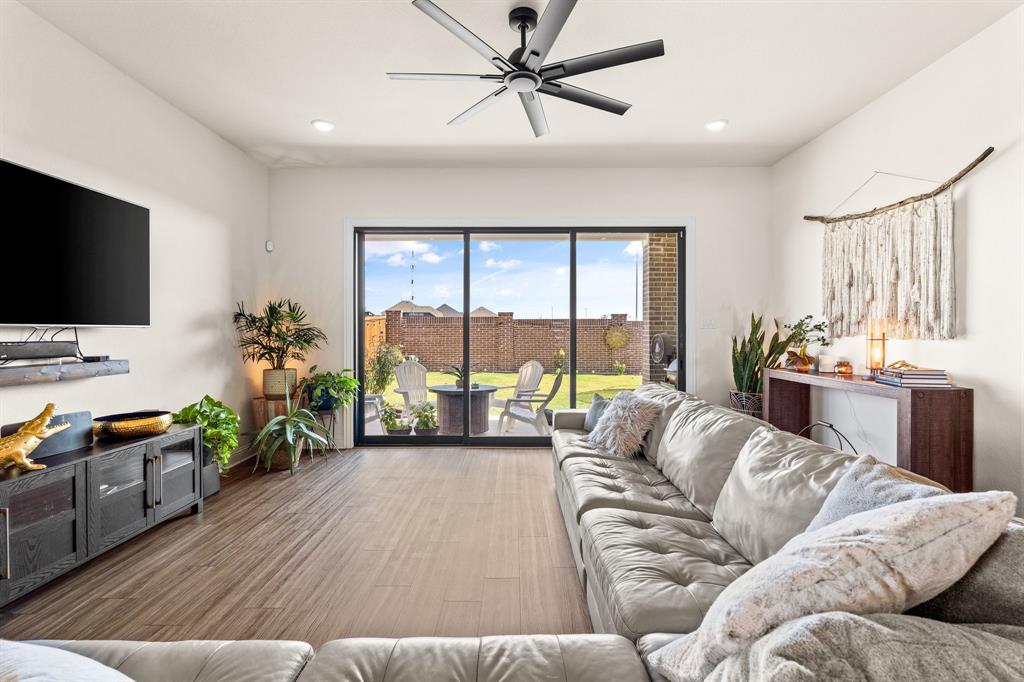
x: 36, y: 663
x: 625, y: 422
x: 595, y: 411
x: 881, y: 561
x: 869, y: 484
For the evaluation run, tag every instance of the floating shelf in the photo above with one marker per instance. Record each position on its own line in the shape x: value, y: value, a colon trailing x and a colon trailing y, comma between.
x: 42, y: 374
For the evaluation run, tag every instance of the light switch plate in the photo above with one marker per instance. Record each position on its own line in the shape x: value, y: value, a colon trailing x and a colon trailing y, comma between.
x: 709, y: 323
x: 269, y: 245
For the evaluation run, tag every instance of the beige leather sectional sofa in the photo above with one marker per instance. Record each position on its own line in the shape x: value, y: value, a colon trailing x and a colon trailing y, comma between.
x: 656, y: 539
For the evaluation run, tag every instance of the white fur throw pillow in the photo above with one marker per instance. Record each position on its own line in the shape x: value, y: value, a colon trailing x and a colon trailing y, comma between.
x: 885, y: 560
x: 625, y: 422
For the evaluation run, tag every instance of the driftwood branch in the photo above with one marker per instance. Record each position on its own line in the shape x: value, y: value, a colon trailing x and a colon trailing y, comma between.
x: 920, y: 197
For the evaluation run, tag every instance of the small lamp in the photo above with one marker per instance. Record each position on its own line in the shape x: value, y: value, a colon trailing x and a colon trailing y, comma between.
x: 876, y: 346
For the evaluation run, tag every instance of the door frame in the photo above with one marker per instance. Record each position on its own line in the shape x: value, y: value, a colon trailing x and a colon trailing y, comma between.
x: 356, y: 228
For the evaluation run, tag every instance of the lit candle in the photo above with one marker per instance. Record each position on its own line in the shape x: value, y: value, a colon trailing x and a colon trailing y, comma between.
x: 876, y: 346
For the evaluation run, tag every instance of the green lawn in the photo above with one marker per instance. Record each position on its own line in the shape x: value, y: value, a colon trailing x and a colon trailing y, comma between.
x: 586, y: 386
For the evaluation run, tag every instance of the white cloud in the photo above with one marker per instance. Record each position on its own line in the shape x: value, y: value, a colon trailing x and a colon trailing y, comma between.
x: 503, y: 264
x: 507, y: 292
x: 441, y: 292
x: 373, y: 248
x: 562, y: 271
x: 634, y: 249
x: 396, y: 259
x: 487, y: 246
x: 432, y: 258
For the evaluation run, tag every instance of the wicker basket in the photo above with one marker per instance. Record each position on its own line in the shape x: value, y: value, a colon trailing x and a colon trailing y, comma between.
x: 747, y: 403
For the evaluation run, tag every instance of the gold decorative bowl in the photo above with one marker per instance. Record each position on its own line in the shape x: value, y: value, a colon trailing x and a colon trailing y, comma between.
x: 131, y: 424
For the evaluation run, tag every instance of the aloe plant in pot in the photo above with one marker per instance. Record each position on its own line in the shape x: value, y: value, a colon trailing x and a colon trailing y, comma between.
x: 291, y: 433
x: 750, y: 357
x: 276, y: 334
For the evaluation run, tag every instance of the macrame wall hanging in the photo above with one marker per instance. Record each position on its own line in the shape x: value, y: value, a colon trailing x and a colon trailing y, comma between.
x: 893, y: 263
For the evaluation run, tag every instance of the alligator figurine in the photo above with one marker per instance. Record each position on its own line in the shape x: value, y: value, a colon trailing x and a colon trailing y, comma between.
x: 16, y: 448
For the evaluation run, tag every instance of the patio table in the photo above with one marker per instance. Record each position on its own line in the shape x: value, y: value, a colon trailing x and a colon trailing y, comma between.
x: 449, y: 408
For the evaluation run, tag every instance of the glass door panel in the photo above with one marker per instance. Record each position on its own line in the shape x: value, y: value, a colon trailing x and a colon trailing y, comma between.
x: 519, y: 345
x: 626, y: 290
x: 411, y: 311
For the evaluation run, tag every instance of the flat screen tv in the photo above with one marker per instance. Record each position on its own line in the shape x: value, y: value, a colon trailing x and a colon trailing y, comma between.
x: 72, y: 257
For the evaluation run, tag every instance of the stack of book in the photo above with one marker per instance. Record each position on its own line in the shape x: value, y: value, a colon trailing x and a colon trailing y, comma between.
x: 914, y: 378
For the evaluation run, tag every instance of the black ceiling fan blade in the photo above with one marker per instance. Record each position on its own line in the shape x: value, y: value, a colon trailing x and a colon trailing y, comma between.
x: 463, y: 34
x: 603, y: 60
x: 535, y: 112
x: 443, y: 77
x: 550, y: 25
x: 480, y: 106
x: 581, y: 96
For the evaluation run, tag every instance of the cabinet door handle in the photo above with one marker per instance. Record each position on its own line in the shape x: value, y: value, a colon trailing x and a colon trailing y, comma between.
x: 159, y: 467
x: 6, y: 538
x: 151, y: 483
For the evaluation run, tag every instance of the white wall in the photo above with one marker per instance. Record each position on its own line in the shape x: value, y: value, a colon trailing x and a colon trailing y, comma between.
x: 67, y: 112
x: 312, y: 261
x: 929, y: 126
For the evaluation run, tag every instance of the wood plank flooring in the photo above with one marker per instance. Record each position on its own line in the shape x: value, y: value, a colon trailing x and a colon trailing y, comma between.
x: 373, y: 542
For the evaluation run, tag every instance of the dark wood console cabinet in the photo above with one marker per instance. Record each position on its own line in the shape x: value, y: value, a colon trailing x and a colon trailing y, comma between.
x: 89, y: 500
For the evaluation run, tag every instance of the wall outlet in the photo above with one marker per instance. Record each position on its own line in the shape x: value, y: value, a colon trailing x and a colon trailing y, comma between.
x: 269, y: 246
x: 709, y: 323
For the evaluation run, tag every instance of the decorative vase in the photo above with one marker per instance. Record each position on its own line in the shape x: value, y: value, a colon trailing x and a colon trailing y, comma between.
x: 747, y: 403
x: 278, y: 382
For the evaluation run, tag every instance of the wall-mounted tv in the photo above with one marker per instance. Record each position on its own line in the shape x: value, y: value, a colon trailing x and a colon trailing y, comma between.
x: 71, y: 257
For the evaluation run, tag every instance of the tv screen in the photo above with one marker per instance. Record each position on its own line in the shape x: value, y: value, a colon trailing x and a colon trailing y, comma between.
x: 72, y: 257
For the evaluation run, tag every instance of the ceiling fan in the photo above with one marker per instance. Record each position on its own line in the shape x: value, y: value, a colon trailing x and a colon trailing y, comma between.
x: 524, y: 71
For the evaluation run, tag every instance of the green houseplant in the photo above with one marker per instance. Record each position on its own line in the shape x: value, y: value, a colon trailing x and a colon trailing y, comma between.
x: 220, y: 428
x: 750, y: 357
x: 380, y: 370
x: 424, y: 418
x: 327, y: 391
x: 803, y: 333
x: 460, y: 376
x: 391, y: 422
x: 291, y: 432
x: 276, y: 334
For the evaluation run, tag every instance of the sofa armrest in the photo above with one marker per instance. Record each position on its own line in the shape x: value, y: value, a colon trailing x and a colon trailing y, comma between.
x: 569, y: 419
x: 195, y: 660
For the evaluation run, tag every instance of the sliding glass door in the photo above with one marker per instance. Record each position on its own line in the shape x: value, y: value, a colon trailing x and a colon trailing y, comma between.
x: 478, y: 335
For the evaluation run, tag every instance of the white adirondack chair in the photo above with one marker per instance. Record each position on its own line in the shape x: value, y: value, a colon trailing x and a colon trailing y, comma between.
x: 412, y: 383
x: 527, y: 385
x: 530, y: 410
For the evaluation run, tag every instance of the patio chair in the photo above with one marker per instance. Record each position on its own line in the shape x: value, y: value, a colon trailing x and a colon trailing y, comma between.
x: 527, y: 384
x: 412, y: 383
x: 523, y: 410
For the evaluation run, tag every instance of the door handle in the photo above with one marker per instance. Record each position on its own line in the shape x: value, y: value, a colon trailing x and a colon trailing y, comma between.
x: 6, y: 567
x: 158, y: 466
x: 151, y: 483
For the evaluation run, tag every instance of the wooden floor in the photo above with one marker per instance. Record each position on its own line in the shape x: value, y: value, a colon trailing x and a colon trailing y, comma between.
x: 374, y: 542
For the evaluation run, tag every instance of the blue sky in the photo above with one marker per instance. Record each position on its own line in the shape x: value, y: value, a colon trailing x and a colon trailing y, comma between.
x: 527, y: 277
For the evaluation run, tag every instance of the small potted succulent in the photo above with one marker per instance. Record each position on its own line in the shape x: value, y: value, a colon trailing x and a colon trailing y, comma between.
x: 392, y: 423
x: 460, y: 377
x: 424, y: 418
x: 328, y: 391
x: 804, y: 332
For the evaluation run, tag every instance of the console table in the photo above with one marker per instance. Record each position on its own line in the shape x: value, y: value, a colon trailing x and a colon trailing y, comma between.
x: 935, y: 426
x: 90, y: 499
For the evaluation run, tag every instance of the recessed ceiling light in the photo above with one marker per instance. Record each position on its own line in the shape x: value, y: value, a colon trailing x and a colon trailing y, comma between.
x: 321, y: 125
x: 715, y: 126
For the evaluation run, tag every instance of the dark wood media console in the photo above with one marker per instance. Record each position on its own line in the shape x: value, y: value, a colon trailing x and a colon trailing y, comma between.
x: 934, y: 426
x: 88, y: 500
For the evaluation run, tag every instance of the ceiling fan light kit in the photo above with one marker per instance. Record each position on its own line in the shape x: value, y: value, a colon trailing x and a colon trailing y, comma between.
x: 523, y: 72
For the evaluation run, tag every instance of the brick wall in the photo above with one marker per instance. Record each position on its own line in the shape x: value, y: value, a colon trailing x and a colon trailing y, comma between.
x: 503, y: 343
x: 660, y: 287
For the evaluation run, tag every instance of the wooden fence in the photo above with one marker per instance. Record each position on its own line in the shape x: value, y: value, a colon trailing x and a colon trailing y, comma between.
x: 374, y: 334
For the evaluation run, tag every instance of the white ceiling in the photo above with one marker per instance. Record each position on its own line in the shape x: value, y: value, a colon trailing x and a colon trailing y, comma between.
x: 257, y: 72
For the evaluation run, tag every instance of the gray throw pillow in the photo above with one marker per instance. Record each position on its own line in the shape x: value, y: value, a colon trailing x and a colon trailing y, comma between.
x: 595, y: 411
x: 625, y: 422
x: 869, y: 484
x: 21, y: 661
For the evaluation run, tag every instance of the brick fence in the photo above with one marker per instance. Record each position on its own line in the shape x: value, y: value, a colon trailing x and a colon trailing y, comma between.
x: 503, y: 343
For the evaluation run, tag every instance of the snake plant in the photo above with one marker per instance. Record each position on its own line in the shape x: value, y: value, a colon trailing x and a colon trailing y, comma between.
x: 750, y: 357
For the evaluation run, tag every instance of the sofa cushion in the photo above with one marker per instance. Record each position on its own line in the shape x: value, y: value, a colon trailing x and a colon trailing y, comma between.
x: 597, y: 408
x: 624, y: 424
x: 597, y: 483
x: 777, y: 485
x: 881, y: 561
x: 879, y: 647
x: 27, y: 662
x: 869, y: 484
x: 669, y: 399
x: 196, y: 660
x: 700, y: 446
x: 992, y: 591
x: 656, y: 573
x: 567, y: 443
x: 513, y: 658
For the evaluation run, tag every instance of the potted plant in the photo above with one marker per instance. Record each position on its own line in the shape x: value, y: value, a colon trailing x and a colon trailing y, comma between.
x: 380, y: 370
x: 220, y: 437
x: 328, y: 391
x: 424, y: 418
x: 276, y: 334
x: 392, y: 423
x: 803, y: 333
x: 291, y: 432
x: 749, y: 360
x: 460, y: 378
